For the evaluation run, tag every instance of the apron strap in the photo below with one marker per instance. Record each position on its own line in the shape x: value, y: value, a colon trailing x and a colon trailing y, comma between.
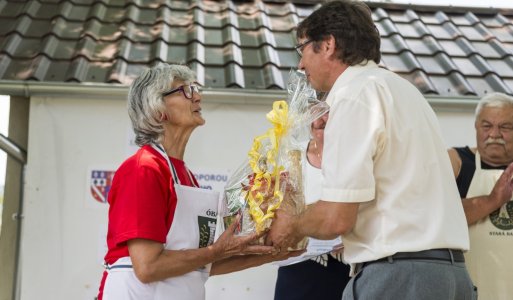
x: 161, y: 151
x: 478, y: 160
x: 191, y: 178
x: 174, y: 174
x: 109, y: 267
x: 122, y: 263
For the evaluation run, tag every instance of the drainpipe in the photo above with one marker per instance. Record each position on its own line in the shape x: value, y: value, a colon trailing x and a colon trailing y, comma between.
x: 20, y: 155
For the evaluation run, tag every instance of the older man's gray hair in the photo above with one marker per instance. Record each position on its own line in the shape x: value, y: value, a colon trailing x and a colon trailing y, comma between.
x: 494, y: 100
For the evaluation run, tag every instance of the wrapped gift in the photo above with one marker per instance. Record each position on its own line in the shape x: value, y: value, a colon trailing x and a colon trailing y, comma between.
x: 272, y: 176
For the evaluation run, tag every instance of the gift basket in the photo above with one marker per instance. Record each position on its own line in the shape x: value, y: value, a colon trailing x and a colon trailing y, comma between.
x: 272, y: 176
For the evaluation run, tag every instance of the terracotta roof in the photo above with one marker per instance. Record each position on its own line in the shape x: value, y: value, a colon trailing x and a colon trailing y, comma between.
x: 244, y: 44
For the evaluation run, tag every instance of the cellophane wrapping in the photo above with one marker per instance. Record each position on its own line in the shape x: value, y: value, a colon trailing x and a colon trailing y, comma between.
x: 272, y: 176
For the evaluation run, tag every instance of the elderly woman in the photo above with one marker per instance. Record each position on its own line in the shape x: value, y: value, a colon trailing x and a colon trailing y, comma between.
x: 161, y: 224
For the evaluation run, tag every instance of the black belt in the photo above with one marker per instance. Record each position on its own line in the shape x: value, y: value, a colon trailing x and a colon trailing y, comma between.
x: 433, y: 254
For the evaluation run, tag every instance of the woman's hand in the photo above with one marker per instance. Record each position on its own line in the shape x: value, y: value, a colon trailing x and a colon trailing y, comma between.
x: 228, y: 244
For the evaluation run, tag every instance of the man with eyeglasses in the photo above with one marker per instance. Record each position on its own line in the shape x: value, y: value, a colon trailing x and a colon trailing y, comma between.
x: 387, y: 185
x: 484, y: 182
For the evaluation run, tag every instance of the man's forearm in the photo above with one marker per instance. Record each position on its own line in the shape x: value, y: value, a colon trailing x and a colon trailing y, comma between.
x: 477, y: 208
x: 327, y: 220
x: 237, y: 263
x: 242, y: 262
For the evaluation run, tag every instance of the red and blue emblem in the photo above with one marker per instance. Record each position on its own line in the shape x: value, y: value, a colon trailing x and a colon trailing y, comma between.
x: 101, y: 181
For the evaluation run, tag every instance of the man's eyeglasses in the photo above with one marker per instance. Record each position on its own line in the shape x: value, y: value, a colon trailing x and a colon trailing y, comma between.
x: 186, y: 89
x: 299, y: 47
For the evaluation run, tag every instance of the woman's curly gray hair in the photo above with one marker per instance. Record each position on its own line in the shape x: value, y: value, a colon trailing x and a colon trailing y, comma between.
x: 145, y: 103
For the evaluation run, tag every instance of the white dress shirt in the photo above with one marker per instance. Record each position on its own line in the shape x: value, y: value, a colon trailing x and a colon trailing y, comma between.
x: 383, y: 149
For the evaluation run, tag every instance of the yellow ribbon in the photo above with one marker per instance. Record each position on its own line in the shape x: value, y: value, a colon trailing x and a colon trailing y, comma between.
x: 266, y: 169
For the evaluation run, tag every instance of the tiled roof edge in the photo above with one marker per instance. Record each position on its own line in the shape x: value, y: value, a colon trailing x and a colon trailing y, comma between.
x: 447, y: 9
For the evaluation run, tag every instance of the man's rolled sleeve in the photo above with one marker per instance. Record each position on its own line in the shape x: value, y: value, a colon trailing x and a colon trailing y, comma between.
x: 353, y: 196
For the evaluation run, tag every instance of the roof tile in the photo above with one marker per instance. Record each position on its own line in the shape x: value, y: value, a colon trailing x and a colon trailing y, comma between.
x: 509, y: 83
x: 465, y: 46
x: 488, y: 84
x: 466, y: 67
x: 452, y: 30
x: 11, y: 9
x: 399, y: 16
x: 405, y: 62
x: 439, y: 32
x: 408, y: 30
x: 503, y: 49
x: 486, y: 49
x: 430, y: 65
x: 452, y: 48
x: 446, y: 63
x: 441, y: 17
x: 464, y: 19
x: 419, y: 46
x: 386, y: 27
x: 243, y: 44
x: 421, y: 81
x: 431, y: 17
x: 453, y: 84
x: 497, y: 20
x: 503, y: 34
x: 503, y: 69
x: 234, y: 75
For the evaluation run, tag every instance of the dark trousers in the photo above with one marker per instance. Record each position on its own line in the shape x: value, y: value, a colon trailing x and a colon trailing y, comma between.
x: 311, y: 280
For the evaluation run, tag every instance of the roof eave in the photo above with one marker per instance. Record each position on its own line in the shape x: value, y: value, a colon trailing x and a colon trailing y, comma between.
x: 213, y: 95
x: 445, y: 8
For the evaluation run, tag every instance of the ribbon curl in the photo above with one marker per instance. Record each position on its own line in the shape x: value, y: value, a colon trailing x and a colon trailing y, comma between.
x: 265, y: 187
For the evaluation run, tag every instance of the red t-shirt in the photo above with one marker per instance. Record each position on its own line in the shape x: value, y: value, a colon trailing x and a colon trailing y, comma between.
x: 142, y: 200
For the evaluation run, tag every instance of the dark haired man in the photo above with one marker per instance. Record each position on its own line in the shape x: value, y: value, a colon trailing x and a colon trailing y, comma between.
x: 387, y: 180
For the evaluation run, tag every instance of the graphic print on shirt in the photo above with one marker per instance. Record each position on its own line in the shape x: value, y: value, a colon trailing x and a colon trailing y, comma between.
x: 207, y: 230
x: 502, y: 218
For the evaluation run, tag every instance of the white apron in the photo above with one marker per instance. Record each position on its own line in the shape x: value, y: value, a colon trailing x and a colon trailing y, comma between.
x: 193, y: 227
x: 489, y: 260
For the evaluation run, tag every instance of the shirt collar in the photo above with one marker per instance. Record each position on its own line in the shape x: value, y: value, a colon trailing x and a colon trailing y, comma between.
x: 348, y: 75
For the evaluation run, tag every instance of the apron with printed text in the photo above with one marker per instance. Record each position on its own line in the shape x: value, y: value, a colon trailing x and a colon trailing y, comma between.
x: 193, y: 227
x: 489, y: 260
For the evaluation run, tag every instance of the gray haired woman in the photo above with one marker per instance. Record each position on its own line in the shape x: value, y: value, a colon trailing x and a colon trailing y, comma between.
x: 161, y: 224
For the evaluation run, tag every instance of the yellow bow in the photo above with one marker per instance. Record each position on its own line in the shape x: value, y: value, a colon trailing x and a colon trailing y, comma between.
x: 265, y: 168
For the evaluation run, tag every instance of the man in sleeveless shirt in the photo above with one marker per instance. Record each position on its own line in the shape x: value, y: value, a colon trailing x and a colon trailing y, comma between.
x: 484, y: 182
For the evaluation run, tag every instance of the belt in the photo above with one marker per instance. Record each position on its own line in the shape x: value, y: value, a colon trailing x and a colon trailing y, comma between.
x: 433, y: 254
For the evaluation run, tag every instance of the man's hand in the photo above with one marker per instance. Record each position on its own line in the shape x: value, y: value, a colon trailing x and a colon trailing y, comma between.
x: 503, y: 189
x: 479, y: 207
x: 284, y: 232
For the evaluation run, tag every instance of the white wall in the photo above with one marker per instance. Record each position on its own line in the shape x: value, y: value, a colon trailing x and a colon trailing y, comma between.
x: 59, y: 231
x: 457, y: 127
x: 59, y: 258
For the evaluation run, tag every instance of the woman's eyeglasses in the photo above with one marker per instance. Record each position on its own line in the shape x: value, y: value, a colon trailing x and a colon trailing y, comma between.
x: 186, y: 89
